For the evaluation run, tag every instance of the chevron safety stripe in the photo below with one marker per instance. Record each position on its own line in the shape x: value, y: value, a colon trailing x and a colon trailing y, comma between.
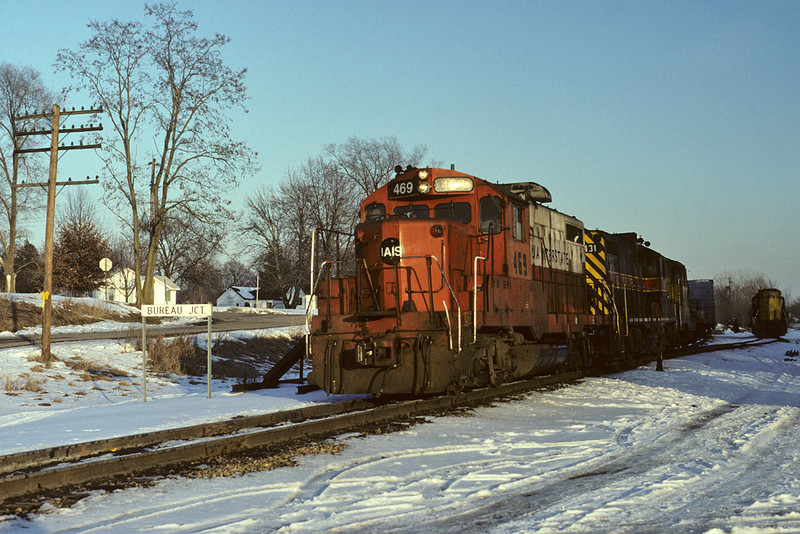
x: 597, y: 274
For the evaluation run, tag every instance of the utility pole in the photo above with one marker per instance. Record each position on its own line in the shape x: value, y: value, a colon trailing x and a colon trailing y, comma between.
x: 51, y: 198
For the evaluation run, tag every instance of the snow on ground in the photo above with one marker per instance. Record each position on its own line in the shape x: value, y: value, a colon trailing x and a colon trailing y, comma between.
x: 710, y: 445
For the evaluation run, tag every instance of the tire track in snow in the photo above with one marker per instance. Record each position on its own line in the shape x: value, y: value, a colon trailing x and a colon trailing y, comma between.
x: 680, y: 442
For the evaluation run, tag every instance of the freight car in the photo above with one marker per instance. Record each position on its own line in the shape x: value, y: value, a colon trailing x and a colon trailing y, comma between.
x: 701, y: 305
x: 768, y: 314
x: 458, y: 282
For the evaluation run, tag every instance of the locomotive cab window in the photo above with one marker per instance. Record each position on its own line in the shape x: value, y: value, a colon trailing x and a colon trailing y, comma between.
x: 454, y: 211
x: 413, y: 211
x: 491, y: 214
x: 374, y: 212
x: 518, y: 223
x: 574, y: 234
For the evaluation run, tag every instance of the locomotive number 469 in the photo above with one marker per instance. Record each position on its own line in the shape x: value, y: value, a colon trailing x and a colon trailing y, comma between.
x: 400, y: 189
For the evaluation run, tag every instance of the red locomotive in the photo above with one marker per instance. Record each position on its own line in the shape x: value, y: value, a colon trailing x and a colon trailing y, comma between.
x: 458, y: 282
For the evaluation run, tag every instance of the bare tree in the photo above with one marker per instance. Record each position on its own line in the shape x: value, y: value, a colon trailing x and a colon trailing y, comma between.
x: 733, y: 294
x: 334, y: 209
x: 266, y: 224
x: 793, y: 308
x: 21, y: 91
x: 203, y: 283
x: 236, y: 273
x: 186, y: 245
x: 370, y: 163
x: 166, y: 88
x: 324, y: 193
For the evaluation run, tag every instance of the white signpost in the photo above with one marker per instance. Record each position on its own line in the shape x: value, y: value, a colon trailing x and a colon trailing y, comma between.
x: 105, y: 266
x: 176, y: 310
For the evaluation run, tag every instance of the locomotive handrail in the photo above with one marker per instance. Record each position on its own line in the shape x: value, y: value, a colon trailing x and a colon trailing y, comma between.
x: 452, y: 293
x: 313, y: 290
x: 610, y: 294
x: 475, y: 295
x: 455, y: 299
x: 371, y: 285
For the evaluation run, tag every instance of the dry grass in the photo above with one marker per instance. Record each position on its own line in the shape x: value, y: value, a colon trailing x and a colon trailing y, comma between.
x: 169, y: 355
x: 39, y: 357
x: 95, y: 368
x: 18, y: 315
x: 23, y: 382
x: 232, y: 358
x: 246, y: 360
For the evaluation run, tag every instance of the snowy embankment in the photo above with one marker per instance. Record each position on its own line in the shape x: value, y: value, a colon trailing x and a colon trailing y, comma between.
x: 710, y: 445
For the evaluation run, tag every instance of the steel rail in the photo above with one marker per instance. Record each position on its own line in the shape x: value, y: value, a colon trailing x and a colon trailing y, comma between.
x: 48, y: 470
x: 42, y: 458
x: 49, y: 479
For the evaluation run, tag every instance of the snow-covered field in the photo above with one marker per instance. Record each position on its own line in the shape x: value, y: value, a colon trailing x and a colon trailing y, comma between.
x: 710, y: 445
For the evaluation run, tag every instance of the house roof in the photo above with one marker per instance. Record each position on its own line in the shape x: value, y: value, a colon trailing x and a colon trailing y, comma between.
x: 247, y: 293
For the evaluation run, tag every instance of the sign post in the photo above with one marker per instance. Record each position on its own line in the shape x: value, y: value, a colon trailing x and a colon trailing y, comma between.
x: 175, y: 310
x: 105, y: 266
x: 144, y: 357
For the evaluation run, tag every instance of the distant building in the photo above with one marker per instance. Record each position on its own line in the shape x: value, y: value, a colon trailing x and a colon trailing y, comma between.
x: 238, y: 296
x: 245, y: 297
x: 121, y: 287
x: 165, y: 291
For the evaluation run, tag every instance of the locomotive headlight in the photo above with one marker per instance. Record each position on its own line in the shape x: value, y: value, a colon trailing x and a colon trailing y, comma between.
x: 423, y: 187
x: 437, y: 230
x: 422, y: 174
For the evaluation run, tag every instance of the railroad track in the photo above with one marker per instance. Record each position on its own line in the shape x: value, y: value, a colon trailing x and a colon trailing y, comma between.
x: 30, y: 477
x: 699, y: 349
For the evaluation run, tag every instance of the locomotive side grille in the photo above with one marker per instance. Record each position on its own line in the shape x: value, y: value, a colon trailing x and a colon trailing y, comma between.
x: 597, y: 274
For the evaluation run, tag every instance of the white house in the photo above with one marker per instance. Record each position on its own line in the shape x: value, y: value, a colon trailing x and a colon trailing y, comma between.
x: 245, y: 297
x: 165, y: 291
x: 241, y: 296
x: 121, y: 287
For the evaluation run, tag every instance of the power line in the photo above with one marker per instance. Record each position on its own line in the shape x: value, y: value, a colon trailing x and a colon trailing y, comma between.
x: 51, y: 184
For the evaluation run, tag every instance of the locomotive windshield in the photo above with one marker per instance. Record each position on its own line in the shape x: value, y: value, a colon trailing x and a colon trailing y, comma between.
x: 454, y: 211
x: 413, y: 211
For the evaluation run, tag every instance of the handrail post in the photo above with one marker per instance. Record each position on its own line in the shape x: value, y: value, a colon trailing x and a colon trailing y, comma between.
x: 475, y: 297
x: 430, y: 288
x: 311, y: 294
x: 452, y: 294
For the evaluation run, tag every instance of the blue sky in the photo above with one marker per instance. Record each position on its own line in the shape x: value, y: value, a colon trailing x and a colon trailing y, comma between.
x: 677, y: 120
